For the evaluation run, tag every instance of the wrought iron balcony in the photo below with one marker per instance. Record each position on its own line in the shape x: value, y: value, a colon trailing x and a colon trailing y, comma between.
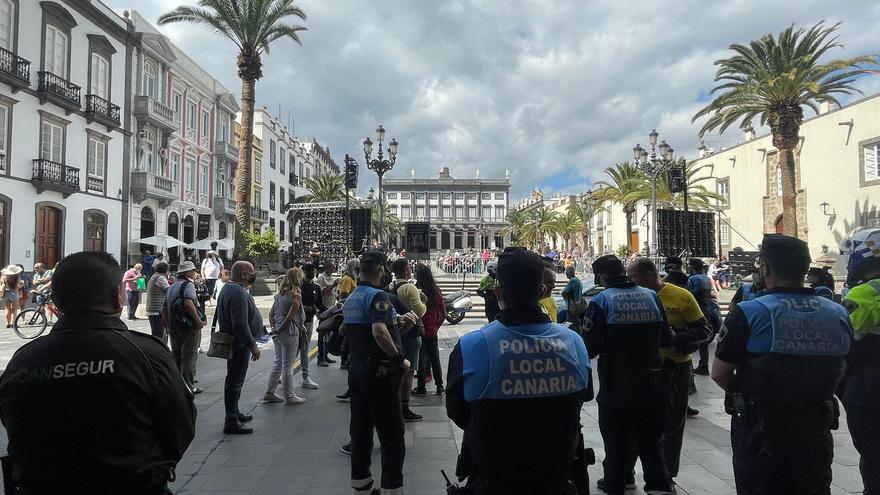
x: 224, y: 206
x: 101, y: 110
x: 14, y: 70
x: 60, y: 91
x: 54, y: 176
x: 154, y: 112
x: 259, y: 215
x: 95, y: 184
x: 148, y: 185
x: 225, y: 149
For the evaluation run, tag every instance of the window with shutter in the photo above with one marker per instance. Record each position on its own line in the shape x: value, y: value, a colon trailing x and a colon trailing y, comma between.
x: 51, y: 142
x: 870, y: 170
x: 100, y: 73
x: 55, y: 60
x: 7, y: 24
x: 95, y: 159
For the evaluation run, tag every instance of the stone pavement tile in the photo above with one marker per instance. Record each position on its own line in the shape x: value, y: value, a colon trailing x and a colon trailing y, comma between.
x: 233, y: 480
x: 254, y: 455
x: 697, y: 480
x: 846, y: 478
x: 718, y: 463
x: 433, y: 449
x: 707, y: 431
x: 432, y: 429
x: 282, y: 484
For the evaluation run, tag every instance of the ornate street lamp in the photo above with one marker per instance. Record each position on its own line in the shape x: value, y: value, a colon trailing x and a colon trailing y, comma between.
x: 653, y: 165
x: 380, y: 166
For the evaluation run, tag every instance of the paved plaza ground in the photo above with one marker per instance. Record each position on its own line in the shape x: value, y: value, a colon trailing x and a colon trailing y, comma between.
x: 296, y: 449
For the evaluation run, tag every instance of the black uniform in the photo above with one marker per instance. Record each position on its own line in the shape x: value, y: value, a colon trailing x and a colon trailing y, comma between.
x: 93, y: 408
x: 374, y: 380
x: 626, y: 326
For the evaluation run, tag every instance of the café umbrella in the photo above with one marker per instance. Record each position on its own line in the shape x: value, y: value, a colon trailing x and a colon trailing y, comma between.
x: 164, y: 241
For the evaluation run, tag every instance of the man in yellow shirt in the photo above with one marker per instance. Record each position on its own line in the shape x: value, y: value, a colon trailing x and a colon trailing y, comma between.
x: 691, y: 329
x: 547, y: 301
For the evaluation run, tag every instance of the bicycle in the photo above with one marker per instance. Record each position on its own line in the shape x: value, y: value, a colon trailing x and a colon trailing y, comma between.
x: 31, y: 323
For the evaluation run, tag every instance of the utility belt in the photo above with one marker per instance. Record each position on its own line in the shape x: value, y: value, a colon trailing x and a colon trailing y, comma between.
x: 751, y: 410
x: 479, y: 483
x: 380, y: 366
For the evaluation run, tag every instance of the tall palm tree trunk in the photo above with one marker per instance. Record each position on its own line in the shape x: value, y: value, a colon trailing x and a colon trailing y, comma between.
x: 629, y: 226
x: 785, y: 127
x: 243, y: 172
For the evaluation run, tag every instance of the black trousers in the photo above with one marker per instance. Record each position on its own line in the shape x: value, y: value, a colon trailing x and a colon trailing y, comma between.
x: 862, y: 402
x: 430, y: 351
x: 211, y: 283
x: 375, y: 402
x: 133, y: 298
x: 485, y: 486
x: 156, y: 326
x: 791, y: 456
x: 625, y: 421
x: 236, y: 371
x: 491, y: 308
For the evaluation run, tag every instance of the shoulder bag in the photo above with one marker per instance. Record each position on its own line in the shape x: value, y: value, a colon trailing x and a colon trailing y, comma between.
x: 221, y: 343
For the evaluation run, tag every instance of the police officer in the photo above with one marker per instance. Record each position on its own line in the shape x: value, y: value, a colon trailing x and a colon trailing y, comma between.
x: 516, y: 388
x: 749, y: 290
x: 487, y: 290
x: 626, y: 326
x: 781, y: 357
x: 376, y: 367
x: 700, y: 286
x: 93, y: 407
x: 861, y: 395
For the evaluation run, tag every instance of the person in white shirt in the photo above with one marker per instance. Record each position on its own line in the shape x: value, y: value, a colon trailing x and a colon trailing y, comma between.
x: 329, y: 291
x: 211, y: 268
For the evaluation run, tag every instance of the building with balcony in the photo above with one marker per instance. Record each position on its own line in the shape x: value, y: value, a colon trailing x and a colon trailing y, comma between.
x: 463, y: 213
x: 64, y: 131
x: 182, y: 114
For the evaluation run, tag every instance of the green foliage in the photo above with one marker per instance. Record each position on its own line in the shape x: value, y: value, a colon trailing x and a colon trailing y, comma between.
x: 261, y: 246
x: 698, y: 194
x: 390, y: 222
x: 623, y: 251
x: 324, y: 188
x: 773, y: 77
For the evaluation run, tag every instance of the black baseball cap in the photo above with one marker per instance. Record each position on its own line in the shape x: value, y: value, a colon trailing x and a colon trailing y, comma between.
x: 519, y: 269
x: 785, y: 249
x: 608, y: 264
x: 373, y: 257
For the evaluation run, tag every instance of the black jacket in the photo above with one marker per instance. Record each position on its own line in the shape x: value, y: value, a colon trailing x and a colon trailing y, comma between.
x: 95, y: 408
x: 311, y: 297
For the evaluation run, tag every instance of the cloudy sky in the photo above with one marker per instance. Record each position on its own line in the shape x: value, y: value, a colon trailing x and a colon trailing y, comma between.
x: 553, y: 90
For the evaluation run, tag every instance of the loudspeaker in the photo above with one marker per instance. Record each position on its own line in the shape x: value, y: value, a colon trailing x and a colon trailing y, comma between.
x: 351, y: 173
x: 361, y: 229
x: 700, y: 232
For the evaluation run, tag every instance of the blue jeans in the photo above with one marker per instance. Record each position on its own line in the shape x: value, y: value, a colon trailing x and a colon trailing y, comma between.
x: 236, y: 371
x: 410, y: 344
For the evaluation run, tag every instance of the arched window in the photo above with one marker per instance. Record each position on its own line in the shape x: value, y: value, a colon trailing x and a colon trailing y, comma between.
x: 151, y: 80
x: 95, y: 226
x: 221, y: 230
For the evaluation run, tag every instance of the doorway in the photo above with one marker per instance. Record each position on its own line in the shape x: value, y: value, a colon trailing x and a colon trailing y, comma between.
x: 778, y: 225
x: 148, y: 226
x: 189, y: 234
x: 49, y: 230
x: 173, y: 230
x: 634, y: 241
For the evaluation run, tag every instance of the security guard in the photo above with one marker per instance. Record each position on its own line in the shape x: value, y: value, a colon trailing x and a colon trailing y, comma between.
x: 93, y: 407
x: 516, y: 388
x: 781, y: 357
x: 487, y: 290
x: 626, y: 326
x: 861, y: 395
x: 376, y: 367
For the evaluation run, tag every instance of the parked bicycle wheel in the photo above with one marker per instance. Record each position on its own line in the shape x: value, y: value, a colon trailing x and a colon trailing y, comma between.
x: 30, y: 324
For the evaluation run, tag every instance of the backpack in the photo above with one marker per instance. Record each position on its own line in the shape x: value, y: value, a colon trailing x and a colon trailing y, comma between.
x: 178, y: 314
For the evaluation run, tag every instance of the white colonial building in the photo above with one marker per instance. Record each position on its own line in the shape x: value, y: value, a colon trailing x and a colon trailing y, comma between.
x: 463, y: 213
x: 64, y: 129
x: 182, y: 114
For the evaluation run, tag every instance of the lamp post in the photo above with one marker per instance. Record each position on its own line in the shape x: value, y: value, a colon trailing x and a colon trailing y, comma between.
x: 380, y: 166
x: 653, y: 165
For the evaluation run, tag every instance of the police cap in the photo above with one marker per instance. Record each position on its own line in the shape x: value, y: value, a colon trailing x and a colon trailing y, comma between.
x: 520, y: 269
x: 373, y: 257
x: 785, y: 250
x: 608, y: 265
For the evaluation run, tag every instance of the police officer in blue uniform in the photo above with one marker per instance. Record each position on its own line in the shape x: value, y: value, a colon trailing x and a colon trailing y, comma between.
x: 781, y: 357
x: 376, y: 367
x: 749, y: 290
x: 516, y: 388
x: 626, y: 326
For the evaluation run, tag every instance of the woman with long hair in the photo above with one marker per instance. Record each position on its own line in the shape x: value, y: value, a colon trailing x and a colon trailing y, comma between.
x: 432, y: 320
x: 287, y: 319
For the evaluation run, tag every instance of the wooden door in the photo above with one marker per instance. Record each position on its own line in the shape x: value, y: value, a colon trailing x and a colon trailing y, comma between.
x: 634, y: 241
x: 48, y: 235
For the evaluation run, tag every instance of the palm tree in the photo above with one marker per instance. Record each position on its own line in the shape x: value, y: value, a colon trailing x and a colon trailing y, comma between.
x: 774, y: 78
x: 627, y: 187
x: 542, y: 223
x: 324, y: 188
x: 252, y: 25
x: 517, y: 225
x: 390, y: 222
x: 585, y: 212
x: 567, y: 225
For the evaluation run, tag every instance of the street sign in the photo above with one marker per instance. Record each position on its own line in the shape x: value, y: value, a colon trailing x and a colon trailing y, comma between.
x: 417, y: 235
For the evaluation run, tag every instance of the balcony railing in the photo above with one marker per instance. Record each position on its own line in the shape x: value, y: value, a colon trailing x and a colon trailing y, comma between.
x: 61, y: 91
x: 55, y: 176
x: 225, y: 149
x: 148, y: 185
x: 155, y: 112
x: 223, y: 206
x: 259, y: 215
x: 293, y: 179
x: 95, y: 184
x: 102, y: 110
x: 16, y: 69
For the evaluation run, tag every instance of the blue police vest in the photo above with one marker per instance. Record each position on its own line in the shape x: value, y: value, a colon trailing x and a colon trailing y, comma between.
x: 523, y: 362
x: 797, y: 324
x: 825, y: 292
x: 630, y: 306
x: 357, y: 307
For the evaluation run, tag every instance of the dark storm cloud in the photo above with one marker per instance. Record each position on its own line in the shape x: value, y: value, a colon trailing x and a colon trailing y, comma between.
x: 538, y: 87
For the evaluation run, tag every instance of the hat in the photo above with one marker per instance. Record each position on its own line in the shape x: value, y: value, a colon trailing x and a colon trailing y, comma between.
x: 784, y: 248
x: 186, y: 266
x: 520, y: 269
x: 211, y: 251
x: 607, y: 264
x: 373, y: 257
x: 11, y: 270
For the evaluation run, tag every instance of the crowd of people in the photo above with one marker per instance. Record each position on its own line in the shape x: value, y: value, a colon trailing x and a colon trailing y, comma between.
x: 786, y: 352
